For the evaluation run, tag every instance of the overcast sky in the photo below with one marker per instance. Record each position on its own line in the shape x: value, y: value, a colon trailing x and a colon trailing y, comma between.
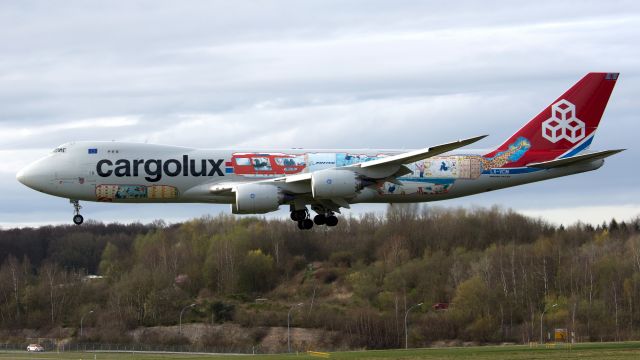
x: 323, y: 74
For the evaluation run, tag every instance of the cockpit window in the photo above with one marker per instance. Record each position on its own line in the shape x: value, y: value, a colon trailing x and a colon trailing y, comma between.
x: 62, y: 149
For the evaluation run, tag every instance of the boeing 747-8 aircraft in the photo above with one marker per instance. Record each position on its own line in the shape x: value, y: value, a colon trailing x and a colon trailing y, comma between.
x: 554, y: 143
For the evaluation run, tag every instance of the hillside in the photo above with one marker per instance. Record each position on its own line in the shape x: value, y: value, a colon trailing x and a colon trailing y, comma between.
x: 496, y: 270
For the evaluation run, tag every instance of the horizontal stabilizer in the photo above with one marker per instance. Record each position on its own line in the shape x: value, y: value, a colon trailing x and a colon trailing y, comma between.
x: 584, y: 158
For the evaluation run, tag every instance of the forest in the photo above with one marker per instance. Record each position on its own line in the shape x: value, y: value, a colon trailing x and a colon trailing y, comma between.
x: 482, y: 275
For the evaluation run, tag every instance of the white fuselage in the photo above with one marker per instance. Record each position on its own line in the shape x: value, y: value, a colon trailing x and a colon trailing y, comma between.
x: 143, y: 173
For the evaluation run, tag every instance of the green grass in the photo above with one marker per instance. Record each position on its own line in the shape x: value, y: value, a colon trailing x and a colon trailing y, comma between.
x: 613, y: 351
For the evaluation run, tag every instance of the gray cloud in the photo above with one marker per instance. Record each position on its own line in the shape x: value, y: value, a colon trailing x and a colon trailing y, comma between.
x: 267, y: 74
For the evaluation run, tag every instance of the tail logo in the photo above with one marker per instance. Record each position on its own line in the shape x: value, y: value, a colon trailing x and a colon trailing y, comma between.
x: 563, y: 123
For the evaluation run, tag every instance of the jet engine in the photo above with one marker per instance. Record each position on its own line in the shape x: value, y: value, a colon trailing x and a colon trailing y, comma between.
x: 256, y: 199
x: 331, y: 183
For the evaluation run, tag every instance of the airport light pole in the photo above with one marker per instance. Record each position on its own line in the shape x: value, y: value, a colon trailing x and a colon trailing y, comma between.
x: 82, y: 318
x: 182, y: 311
x: 289, y: 325
x: 541, y: 316
x: 406, y: 329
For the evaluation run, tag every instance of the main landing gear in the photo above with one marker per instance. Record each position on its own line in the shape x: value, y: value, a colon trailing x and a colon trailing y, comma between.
x: 303, y: 218
x: 77, y: 218
x: 328, y: 219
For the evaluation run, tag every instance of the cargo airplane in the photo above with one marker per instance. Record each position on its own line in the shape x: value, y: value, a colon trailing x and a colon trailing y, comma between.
x: 554, y: 143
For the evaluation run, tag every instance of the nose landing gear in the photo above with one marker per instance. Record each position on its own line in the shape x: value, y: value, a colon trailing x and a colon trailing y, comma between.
x: 77, y: 218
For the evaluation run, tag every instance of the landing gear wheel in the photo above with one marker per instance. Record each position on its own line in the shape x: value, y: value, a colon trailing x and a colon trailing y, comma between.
x: 307, y: 224
x: 302, y: 217
x: 320, y: 219
x: 78, y: 219
x: 299, y: 215
x: 332, y: 220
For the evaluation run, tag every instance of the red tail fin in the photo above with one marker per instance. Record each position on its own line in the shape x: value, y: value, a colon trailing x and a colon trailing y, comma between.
x: 562, y: 129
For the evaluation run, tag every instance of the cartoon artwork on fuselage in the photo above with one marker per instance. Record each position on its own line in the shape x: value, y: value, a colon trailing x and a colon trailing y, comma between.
x: 266, y: 164
x: 455, y: 167
x: 114, y: 192
x: 438, y: 167
x: 346, y: 159
x: 446, y: 167
x: 512, y: 154
x: 426, y: 187
x: 319, y: 161
x: 261, y: 164
x: 272, y: 164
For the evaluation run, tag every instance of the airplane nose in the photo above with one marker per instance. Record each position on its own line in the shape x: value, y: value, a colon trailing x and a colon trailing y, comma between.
x: 24, y: 177
x: 28, y: 176
x: 39, y: 175
x: 20, y: 176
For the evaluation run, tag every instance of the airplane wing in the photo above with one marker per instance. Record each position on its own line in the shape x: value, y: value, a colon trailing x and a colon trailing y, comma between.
x: 421, y: 154
x: 390, y: 167
x: 583, y: 158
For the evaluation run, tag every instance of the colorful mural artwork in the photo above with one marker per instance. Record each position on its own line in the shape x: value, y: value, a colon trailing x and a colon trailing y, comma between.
x: 450, y: 167
x: 447, y: 167
x: 513, y: 153
x: 162, y: 192
x: 346, y: 159
x: 265, y: 164
x: 270, y: 164
x: 106, y: 192
x: 435, y: 175
x: 426, y: 187
x: 432, y: 176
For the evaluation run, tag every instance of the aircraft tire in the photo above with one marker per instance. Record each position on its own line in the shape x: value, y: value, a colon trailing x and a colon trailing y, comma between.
x: 332, y: 220
x: 320, y: 219
x: 307, y: 224
x: 78, y: 219
x: 298, y: 215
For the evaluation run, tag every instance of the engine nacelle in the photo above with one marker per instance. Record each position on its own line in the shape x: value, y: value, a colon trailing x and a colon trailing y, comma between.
x: 256, y: 199
x: 331, y: 183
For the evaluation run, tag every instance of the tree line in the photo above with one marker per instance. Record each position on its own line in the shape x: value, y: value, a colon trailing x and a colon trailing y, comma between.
x: 497, y: 270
